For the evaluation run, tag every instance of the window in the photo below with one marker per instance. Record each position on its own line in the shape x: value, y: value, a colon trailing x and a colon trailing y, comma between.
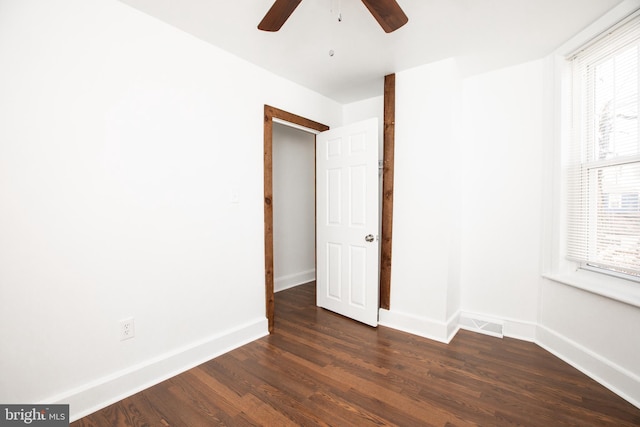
x: 603, y: 170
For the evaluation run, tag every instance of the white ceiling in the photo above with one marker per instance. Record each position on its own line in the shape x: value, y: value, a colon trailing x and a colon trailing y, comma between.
x: 482, y: 34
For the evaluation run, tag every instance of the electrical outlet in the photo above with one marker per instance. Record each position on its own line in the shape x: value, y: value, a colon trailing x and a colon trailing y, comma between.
x: 127, y: 329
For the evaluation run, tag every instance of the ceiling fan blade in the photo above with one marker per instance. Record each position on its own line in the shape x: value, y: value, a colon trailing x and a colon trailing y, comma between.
x: 278, y: 15
x: 388, y: 14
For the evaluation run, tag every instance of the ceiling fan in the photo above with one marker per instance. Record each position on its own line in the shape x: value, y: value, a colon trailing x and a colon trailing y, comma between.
x: 387, y: 12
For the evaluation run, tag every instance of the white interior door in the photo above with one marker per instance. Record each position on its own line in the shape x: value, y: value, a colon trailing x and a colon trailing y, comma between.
x: 347, y: 220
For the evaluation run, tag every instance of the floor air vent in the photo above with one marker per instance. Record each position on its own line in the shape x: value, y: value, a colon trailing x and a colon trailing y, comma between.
x: 483, y: 326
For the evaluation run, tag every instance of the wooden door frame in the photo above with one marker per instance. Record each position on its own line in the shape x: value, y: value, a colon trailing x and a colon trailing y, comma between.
x: 271, y: 113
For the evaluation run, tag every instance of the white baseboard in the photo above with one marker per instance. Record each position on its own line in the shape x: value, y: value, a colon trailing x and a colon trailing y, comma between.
x: 289, y: 281
x: 421, y: 326
x: 619, y: 380
x: 525, y: 331
x: 453, y: 326
x: 105, y: 391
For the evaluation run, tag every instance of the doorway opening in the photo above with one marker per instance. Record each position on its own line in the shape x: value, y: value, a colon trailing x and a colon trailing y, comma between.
x: 294, y: 207
x: 272, y: 114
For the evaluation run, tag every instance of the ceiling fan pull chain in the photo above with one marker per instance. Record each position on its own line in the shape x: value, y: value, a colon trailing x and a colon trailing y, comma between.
x: 336, y: 6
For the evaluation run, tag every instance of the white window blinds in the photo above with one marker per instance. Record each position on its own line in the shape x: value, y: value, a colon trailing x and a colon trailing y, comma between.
x: 603, y: 170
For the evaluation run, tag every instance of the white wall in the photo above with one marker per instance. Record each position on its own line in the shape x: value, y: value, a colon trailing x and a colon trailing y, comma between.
x: 467, y: 198
x: 502, y: 172
x: 122, y: 140
x: 294, y: 220
x: 424, y: 292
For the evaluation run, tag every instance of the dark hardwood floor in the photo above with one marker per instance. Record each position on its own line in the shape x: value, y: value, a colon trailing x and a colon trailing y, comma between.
x: 319, y: 368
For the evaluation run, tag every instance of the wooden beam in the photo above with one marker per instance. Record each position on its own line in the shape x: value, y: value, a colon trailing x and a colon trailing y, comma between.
x: 387, y: 190
x: 268, y: 216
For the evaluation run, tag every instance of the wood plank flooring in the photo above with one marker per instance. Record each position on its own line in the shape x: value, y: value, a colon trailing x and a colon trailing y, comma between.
x: 319, y: 368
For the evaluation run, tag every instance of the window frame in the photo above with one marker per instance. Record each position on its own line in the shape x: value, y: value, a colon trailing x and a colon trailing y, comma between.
x: 583, y: 160
x: 555, y: 266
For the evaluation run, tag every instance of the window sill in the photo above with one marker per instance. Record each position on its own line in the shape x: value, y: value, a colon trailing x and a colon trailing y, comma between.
x: 622, y: 290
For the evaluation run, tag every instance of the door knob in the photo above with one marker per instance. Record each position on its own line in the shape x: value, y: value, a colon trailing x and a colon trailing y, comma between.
x: 369, y: 238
